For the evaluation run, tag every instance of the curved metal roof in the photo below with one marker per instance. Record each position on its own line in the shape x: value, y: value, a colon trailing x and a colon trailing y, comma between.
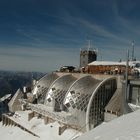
x: 45, y: 82
x: 100, y: 92
x: 80, y: 92
x: 58, y: 89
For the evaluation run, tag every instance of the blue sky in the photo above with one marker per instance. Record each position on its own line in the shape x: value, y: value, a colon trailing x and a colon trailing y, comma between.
x: 42, y: 35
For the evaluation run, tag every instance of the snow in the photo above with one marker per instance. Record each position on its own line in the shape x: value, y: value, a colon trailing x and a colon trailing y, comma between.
x: 37, y: 126
x: 50, y: 94
x: 123, y: 63
x: 5, y: 97
x: 35, y: 90
x: 107, y: 63
x: 14, y: 133
x: 133, y: 106
x: 126, y: 127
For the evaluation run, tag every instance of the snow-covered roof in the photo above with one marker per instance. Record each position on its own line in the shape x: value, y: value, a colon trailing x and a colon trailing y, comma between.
x: 5, y: 97
x: 125, y: 127
x: 107, y: 63
x: 111, y: 63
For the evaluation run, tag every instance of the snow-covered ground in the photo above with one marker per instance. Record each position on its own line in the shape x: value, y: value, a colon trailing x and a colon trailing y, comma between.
x: 126, y: 127
x: 14, y: 133
x: 49, y: 131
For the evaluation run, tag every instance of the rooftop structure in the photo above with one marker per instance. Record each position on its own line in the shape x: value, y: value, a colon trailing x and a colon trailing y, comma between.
x: 121, y: 63
x: 57, y: 91
x: 87, y: 56
x: 14, y: 104
x: 75, y: 102
x: 133, y: 93
x: 41, y: 87
x: 112, y: 67
x: 7, y: 96
x: 114, y: 108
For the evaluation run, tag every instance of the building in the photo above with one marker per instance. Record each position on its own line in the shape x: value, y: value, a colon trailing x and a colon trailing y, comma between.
x: 67, y: 69
x: 75, y: 102
x: 4, y: 104
x: 133, y: 93
x: 87, y: 56
x: 14, y: 104
x: 112, y: 67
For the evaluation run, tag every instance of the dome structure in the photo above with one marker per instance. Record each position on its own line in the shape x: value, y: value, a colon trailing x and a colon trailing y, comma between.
x: 77, y: 102
x: 57, y: 91
x: 101, y: 96
x: 86, y: 99
x: 42, y: 86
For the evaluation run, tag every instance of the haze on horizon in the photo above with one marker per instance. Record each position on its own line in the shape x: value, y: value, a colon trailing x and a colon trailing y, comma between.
x: 43, y: 35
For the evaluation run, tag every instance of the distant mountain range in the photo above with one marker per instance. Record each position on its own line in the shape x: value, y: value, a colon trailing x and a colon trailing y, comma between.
x: 10, y: 81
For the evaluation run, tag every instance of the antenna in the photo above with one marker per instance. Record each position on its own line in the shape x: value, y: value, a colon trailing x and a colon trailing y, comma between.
x: 133, y: 43
x: 101, y: 55
x: 89, y: 44
x: 125, y: 94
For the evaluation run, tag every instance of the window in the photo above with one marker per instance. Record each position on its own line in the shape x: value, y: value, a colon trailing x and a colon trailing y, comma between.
x: 67, y: 105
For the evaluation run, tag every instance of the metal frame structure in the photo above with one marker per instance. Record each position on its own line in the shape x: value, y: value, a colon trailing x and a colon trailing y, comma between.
x: 98, y: 101
x: 42, y: 87
x: 57, y: 91
x: 78, y: 102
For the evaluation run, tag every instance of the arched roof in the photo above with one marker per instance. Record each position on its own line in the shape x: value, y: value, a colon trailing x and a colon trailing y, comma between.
x: 45, y: 82
x: 79, y: 93
x: 96, y: 93
x: 59, y: 88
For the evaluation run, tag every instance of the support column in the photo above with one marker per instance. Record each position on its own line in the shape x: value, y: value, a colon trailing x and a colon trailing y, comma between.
x: 46, y: 120
x: 12, y: 122
x: 62, y: 129
x: 6, y: 121
x: 31, y: 115
x: 2, y: 120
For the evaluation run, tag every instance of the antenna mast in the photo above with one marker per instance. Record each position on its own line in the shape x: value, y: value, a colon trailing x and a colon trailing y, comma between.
x: 133, y: 50
x: 89, y: 44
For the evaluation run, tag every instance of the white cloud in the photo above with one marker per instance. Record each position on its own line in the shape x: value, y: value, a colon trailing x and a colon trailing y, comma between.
x: 101, y: 31
x: 37, y: 59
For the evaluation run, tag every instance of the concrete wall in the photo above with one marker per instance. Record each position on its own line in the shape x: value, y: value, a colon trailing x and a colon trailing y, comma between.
x: 108, y: 117
x: 14, y: 104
